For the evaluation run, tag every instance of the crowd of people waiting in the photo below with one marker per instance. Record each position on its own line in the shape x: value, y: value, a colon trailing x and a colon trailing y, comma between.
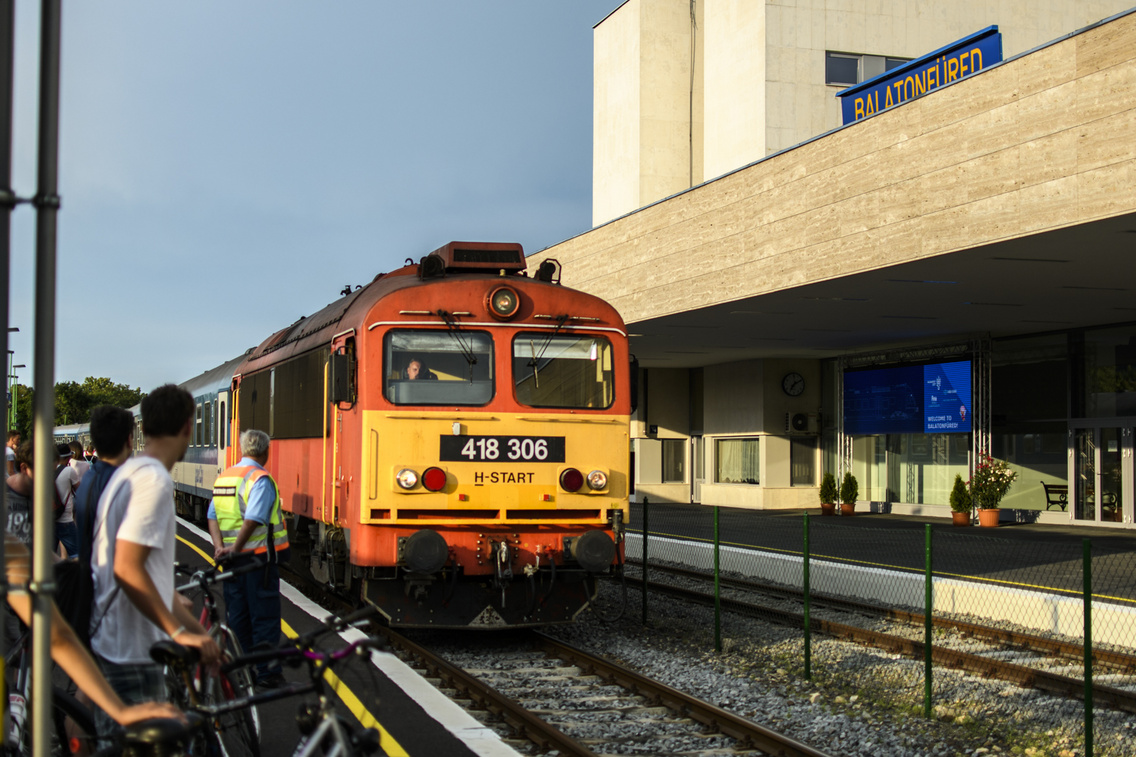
x: 115, y: 526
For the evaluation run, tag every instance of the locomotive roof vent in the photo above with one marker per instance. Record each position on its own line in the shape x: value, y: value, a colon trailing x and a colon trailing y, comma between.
x: 476, y: 257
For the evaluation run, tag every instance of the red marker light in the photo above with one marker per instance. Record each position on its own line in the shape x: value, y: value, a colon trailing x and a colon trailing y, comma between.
x: 571, y: 480
x: 434, y: 479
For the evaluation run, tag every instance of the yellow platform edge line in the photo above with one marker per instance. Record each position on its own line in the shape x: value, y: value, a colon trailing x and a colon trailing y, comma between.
x: 342, y: 690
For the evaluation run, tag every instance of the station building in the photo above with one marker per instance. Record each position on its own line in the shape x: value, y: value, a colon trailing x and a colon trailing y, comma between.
x: 951, y: 276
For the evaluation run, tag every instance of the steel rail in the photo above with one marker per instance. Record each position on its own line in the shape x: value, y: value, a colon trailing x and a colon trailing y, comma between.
x: 749, y: 734
x: 1119, y: 661
x: 548, y: 737
x: 972, y: 663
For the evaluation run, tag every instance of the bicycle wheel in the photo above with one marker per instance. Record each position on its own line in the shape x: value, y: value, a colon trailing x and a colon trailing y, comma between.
x: 73, y: 727
x: 239, y: 730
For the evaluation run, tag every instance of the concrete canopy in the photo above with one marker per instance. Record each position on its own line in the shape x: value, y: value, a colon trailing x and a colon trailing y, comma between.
x: 1003, y: 204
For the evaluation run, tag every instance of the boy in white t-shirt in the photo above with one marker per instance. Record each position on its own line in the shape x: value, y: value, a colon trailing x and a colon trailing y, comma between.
x: 133, y: 558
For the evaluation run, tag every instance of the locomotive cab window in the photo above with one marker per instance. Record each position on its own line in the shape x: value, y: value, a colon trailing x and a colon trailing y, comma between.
x: 563, y: 371
x: 430, y: 367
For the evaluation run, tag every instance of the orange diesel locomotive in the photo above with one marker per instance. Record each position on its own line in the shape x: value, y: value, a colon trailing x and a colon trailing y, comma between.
x: 451, y: 440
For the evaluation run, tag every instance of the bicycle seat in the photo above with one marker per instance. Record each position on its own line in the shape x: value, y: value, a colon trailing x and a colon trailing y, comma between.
x: 167, y: 652
x: 161, y: 731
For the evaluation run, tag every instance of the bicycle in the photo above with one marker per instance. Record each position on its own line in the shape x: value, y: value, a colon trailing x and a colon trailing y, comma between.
x: 323, y: 730
x: 72, y: 725
x: 238, y: 729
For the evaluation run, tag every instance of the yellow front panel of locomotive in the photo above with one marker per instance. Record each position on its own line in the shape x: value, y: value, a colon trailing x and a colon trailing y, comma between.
x: 498, y: 467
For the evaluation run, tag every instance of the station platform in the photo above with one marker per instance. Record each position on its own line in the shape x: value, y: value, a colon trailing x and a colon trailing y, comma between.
x: 1032, y: 574
x: 414, y: 719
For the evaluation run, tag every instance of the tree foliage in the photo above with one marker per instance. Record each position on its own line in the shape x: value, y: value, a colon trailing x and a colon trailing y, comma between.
x: 73, y: 401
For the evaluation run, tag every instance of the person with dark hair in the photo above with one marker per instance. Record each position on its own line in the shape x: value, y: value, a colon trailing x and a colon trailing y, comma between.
x: 20, y: 515
x: 112, y: 434
x: 66, y: 482
x: 135, y: 536
x: 77, y: 461
x: 10, y: 466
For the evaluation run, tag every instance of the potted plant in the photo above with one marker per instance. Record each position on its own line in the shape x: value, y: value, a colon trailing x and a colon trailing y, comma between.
x: 849, y: 491
x: 960, y: 503
x: 987, y: 486
x: 828, y: 494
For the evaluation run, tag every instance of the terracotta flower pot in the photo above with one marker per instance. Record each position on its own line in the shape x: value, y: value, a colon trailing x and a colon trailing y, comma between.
x: 847, y: 508
x: 988, y: 518
x: 960, y: 519
x: 827, y: 508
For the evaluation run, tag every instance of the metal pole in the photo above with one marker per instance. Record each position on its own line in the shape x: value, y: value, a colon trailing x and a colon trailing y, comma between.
x: 47, y: 207
x: 1088, y: 602
x: 805, y: 592
x: 928, y: 604
x: 645, y: 532
x: 717, y: 585
x: 7, y: 203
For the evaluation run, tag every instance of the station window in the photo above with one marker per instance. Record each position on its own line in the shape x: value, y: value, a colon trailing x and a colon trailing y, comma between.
x: 674, y: 460
x: 432, y: 367
x: 563, y: 371
x: 802, y: 461
x: 736, y: 461
x: 848, y: 69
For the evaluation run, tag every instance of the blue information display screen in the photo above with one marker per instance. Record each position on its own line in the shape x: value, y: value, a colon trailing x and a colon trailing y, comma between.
x: 910, y: 399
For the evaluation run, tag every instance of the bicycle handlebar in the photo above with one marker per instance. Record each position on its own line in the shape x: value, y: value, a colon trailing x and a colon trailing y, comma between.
x: 214, y: 574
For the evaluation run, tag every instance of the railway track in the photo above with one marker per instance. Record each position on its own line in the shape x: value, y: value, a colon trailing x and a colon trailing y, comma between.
x: 602, y: 704
x: 1024, y: 659
x: 561, y: 698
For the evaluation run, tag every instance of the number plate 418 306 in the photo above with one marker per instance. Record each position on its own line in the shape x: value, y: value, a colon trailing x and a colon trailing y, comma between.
x: 502, y: 449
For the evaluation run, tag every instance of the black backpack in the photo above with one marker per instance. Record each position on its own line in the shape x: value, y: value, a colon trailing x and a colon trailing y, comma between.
x: 75, y: 583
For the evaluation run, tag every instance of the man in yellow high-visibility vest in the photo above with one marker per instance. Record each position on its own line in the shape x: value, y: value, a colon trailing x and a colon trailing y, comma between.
x: 246, y: 522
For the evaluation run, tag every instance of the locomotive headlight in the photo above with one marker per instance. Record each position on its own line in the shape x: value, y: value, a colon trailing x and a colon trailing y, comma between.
x: 504, y: 303
x: 597, y: 479
x: 406, y: 478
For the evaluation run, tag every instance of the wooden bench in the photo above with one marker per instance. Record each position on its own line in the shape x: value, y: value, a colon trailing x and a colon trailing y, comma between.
x: 1056, y: 495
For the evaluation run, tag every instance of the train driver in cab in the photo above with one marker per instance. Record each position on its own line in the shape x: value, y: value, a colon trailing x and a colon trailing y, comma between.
x: 416, y: 371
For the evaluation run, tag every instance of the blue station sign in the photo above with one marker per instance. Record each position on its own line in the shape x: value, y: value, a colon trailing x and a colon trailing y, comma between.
x: 967, y: 56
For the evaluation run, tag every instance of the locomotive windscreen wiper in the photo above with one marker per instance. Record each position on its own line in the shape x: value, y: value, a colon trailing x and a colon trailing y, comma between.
x: 544, y: 347
x: 454, y: 330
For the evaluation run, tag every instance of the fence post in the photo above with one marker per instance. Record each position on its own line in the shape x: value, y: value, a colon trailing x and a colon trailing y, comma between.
x: 717, y: 586
x: 928, y: 605
x: 1088, y: 601
x: 805, y: 592
x: 645, y: 532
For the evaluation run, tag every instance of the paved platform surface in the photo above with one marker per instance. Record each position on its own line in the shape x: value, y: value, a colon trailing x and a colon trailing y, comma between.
x: 414, y: 718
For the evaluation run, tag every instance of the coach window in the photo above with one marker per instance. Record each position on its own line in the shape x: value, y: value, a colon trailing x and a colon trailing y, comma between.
x: 197, y: 430
x: 736, y: 461
x: 431, y: 367
x: 563, y: 371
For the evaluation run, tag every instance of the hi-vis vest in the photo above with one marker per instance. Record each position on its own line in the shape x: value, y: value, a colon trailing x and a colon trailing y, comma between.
x: 230, y: 497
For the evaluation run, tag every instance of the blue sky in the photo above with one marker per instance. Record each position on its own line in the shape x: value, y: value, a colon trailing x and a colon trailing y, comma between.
x: 227, y: 167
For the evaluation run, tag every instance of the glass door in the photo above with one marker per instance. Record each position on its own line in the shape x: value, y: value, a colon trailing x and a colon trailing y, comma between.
x: 1102, y: 473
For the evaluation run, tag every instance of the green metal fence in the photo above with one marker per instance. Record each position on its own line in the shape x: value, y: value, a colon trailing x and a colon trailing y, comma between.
x: 1063, y: 586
